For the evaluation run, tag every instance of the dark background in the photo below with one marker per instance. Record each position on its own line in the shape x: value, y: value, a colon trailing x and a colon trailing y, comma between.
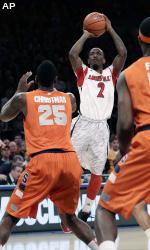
x: 46, y: 29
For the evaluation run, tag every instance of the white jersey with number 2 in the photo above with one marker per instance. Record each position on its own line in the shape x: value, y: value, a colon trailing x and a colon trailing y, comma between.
x: 96, y: 92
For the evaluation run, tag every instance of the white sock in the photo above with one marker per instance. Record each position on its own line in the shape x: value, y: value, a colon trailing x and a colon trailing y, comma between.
x: 148, y: 245
x: 0, y: 247
x: 117, y: 241
x: 147, y: 232
x: 87, y: 205
x: 92, y: 245
x: 107, y: 245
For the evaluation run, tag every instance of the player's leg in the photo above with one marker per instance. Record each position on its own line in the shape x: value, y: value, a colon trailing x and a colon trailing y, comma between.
x: 92, y: 190
x: 20, y: 205
x: 64, y: 226
x: 66, y: 196
x: 80, y: 141
x: 105, y: 228
x: 142, y: 217
x: 94, y: 186
x: 78, y: 138
x: 139, y: 210
x: 26, y: 196
x: 105, y: 222
x: 96, y: 159
x: 128, y: 185
x: 81, y: 230
x: 6, y: 225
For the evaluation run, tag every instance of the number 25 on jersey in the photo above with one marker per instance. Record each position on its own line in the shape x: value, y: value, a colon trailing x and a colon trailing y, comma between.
x: 57, y: 111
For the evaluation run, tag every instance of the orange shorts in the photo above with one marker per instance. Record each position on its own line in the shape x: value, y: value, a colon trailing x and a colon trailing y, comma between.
x: 56, y: 176
x: 129, y: 183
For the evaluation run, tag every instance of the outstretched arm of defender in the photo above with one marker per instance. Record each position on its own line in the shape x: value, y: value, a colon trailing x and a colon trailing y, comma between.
x: 120, y: 59
x: 75, y: 51
x: 17, y: 103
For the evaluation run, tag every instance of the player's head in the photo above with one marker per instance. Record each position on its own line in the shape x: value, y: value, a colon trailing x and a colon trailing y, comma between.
x: 46, y: 74
x: 96, y: 58
x: 144, y: 34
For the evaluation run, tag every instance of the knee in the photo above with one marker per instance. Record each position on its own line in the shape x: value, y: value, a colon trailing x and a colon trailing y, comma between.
x: 99, y: 210
x: 138, y: 207
x: 103, y: 214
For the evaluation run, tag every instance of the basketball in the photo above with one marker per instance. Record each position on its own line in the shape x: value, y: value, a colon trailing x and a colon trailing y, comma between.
x: 95, y: 23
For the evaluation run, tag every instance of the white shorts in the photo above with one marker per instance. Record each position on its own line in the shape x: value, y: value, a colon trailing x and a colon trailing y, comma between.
x: 90, y: 139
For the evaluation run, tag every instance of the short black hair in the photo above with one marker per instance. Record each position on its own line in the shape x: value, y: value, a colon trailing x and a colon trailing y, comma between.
x: 145, y: 27
x: 46, y: 73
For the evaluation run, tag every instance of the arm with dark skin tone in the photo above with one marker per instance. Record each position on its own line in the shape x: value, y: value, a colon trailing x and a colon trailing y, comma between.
x: 18, y: 102
x: 119, y: 61
x: 75, y: 51
x: 125, y: 123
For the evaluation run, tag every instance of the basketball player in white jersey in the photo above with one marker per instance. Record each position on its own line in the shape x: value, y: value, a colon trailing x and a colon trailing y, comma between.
x: 96, y: 85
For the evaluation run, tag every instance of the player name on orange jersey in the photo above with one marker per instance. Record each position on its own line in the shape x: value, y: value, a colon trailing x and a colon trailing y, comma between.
x: 53, y: 99
x: 99, y: 78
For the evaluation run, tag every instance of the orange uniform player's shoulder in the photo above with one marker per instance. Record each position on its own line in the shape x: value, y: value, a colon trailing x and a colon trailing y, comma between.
x: 138, y: 80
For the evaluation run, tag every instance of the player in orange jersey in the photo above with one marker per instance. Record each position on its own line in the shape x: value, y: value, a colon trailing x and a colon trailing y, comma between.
x: 127, y: 189
x: 54, y: 170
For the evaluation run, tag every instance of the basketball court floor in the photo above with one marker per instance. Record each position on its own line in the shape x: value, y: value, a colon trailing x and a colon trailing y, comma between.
x: 130, y: 239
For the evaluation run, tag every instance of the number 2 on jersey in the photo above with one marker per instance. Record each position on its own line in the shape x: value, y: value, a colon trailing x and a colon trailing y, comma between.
x: 101, y: 85
x: 59, y: 116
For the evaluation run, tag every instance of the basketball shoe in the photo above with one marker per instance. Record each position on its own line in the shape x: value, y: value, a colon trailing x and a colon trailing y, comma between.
x: 83, y: 215
x: 65, y: 229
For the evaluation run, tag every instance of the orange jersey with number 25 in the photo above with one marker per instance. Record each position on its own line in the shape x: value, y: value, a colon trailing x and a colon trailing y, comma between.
x: 48, y: 120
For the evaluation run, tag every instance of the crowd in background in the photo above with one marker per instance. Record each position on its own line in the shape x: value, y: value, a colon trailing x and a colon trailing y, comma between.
x: 37, y: 30
x: 13, y: 159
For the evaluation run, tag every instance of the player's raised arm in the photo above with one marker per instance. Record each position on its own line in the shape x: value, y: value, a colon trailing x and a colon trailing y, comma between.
x: 125, y: 115
x: 17, y: 103
x: 120, y: 59
x: 75, y: 51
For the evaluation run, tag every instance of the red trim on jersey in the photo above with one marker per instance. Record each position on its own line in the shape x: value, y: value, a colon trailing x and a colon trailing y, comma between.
x: 115, y: 75
x: 81, y: 75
